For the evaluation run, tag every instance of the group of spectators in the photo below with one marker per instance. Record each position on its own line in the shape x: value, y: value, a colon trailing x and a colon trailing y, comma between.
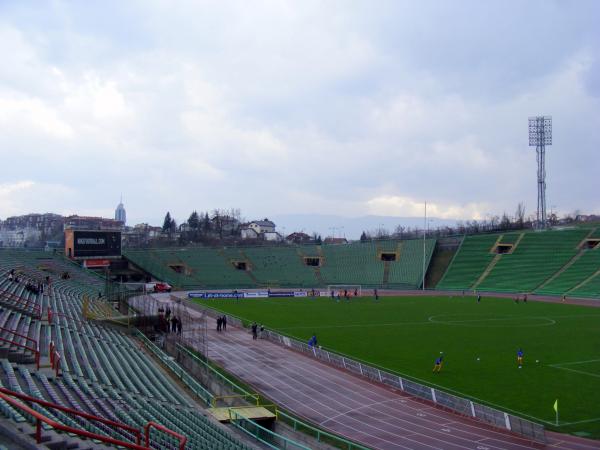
x: 168, y: 322
x: 34, y: 286
x: 255, y: 329
x: 222, y: 323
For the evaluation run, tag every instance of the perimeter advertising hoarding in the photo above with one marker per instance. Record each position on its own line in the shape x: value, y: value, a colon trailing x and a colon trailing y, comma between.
x: 92, y: 244
x: 233, y: 294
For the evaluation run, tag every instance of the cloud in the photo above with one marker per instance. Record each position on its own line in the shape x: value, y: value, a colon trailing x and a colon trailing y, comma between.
x: 27, y: 196
x: 282, y: 107
x: 408, y: 207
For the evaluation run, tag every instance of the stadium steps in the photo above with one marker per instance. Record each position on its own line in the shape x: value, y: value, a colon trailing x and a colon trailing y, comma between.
x: 487, y: 271
x: 584, y: 282
x: 563, y: 269
x: 386, y: 272
x: 319, y: 276
x: 249, y: 270
x: 518, y: 241
x: 252, y: 277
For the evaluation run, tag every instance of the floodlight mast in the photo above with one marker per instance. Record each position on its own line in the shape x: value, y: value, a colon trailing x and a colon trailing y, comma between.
x: 540, y: 135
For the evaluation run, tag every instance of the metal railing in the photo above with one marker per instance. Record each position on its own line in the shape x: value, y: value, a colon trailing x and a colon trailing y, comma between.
x: 200, y: 391
x: 159, y: 427
x: 35, y: 348
x: 460, y: 405
x: 440, y: 397
x: 22, y: 303
x: 297, y: 424
x: 262, y: 434
x: 7, y: 395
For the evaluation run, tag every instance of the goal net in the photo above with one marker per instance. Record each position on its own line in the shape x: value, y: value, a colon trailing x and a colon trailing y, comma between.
x: 354, y: 290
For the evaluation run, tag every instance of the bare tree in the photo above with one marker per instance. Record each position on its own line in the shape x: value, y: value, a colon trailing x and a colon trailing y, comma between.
x: 520, y: 215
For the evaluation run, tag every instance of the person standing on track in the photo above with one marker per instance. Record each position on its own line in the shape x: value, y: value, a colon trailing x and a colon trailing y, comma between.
x: 254, y: 331
x: 437, y: 367
x: 224, y: 323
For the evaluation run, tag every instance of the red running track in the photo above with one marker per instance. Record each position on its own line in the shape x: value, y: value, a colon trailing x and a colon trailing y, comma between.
x: 368, y: 413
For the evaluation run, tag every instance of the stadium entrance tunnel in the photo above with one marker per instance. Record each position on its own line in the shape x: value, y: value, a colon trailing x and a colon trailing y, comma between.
x: 388, y: 256
x: 313, y: 261
x: 590, y: 244
x: 241, y: 265
x: 179, y: 268
x: 503, y: 249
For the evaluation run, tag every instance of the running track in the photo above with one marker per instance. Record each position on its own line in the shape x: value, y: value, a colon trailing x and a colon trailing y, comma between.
x: 342, y: 403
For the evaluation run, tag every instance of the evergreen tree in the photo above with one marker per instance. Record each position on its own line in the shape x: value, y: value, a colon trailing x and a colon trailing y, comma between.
x: 206, y: 223
x: 194, y: 221
x: 167, y: 222
x: 363, y: 237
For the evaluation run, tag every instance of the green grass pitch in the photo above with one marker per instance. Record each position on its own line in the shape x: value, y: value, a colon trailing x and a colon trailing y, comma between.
x: 479, y: 341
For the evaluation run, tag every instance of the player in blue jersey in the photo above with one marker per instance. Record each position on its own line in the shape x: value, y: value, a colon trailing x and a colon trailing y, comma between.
x: 438, y: 363
x: 520, y: 357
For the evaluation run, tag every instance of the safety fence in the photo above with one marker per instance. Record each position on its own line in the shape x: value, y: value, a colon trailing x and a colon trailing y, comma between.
x: 293, y: 422
x: 264, y: 435
x: 500, y: 419
x: 200, y: 391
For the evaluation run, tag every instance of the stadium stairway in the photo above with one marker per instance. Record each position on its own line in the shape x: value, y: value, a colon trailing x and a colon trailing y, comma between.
x: 595, y: 277
x: 564, y: 268
x: 487, y: 271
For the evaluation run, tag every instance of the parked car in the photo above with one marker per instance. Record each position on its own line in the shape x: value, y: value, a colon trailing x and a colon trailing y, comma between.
x: 162, y: 287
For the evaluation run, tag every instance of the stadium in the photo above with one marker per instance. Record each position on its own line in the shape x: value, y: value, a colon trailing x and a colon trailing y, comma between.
x: 88, y: 361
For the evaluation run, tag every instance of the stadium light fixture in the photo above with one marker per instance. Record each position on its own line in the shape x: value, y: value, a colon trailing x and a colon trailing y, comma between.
x: 540, y: 135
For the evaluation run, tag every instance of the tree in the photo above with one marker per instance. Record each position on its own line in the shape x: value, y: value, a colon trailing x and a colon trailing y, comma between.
x: 399, y: 231
x: 319, y: 241
x: 167, y: 222
x: 504, y: 222
x: 194, y: 221
x: 363, y: 237
x: 206, y: 225
x: 520, y: 215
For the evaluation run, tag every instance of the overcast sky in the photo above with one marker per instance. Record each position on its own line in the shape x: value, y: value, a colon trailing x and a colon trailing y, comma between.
x: 346, y: 108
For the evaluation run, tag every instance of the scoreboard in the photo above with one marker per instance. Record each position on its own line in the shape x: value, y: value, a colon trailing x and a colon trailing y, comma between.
x: 80, y: 244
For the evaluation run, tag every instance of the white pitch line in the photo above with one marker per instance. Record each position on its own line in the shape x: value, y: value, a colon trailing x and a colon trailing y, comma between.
x: 575, y: 362
x: 562, y: 424
x: 576, y: 371
x: 357, y: 325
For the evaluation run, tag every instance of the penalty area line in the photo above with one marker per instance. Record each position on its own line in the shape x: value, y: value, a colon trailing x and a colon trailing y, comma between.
x: 582, y: 372
x: 574, y: 363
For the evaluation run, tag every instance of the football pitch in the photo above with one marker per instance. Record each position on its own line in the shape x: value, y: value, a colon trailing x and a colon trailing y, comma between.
x: 561, y: 345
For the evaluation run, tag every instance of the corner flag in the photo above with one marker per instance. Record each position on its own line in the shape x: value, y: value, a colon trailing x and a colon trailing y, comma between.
x: 556, y: 405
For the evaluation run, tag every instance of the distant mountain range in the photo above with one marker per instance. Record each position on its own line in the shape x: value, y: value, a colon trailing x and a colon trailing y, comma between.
x: 349, y: 227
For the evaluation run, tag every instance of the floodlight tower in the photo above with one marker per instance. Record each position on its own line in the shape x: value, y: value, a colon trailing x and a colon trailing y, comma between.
x: 540, y: 135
